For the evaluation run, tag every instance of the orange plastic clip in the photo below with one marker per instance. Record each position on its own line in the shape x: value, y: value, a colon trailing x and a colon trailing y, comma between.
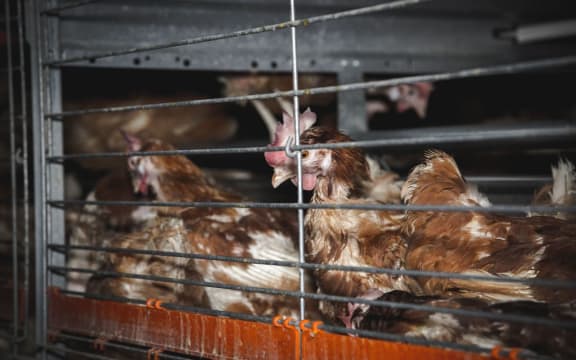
x: 315, y: 329
x: 303, y: 325
x: 276, y: 320
x: 153, y: 352
x: 158, y: 305
x: 152, y: 303
x: 99, y: 343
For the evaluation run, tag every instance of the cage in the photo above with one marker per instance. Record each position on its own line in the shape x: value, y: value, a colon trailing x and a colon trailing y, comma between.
x: 483, y: 81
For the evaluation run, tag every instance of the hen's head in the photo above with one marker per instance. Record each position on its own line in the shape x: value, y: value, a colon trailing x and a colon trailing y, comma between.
x: 344, y: 169
x: 147, y: 170
x: 285, y: 133
x: 142, y: 169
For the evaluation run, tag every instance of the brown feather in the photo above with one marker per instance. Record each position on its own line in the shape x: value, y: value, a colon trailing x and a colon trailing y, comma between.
x: 348, y: 237
x: 236, y: 232
x: 481, y: 243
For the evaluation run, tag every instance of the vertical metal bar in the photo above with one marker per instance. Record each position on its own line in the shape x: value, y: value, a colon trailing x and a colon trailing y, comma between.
x: 55, y: 181
x: 13, y: 180
x: 301, y: 258
x: 24, y: 159
x: 33, y: 34
x: 352, y: 104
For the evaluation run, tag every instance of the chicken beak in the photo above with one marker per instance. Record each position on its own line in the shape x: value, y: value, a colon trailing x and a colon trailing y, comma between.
x: 140, y: 184
x: 280, y: 175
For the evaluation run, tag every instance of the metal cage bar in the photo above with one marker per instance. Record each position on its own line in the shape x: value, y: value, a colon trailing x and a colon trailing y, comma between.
x: 293, y: 23
x: 13, y: 183
x: 17, y: 288
x: 33, y: 34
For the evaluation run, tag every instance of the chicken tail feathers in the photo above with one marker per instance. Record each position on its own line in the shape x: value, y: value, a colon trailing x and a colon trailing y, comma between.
x: 435, y: 181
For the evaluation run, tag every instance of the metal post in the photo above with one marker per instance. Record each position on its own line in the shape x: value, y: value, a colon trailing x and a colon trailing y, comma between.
x: 24, y: 164
x: 301, y: 258
x: 13, y: 181
x: 33, y: 36
x: 55, y: 172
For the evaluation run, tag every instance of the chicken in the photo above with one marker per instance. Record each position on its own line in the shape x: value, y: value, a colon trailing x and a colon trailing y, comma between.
x: 479, y: 243
x: 485, y: 332
x: 406, y: 97
x: 89, y: 133
x: 342, y: 237
x: 98, y: 225
x: 241, y: 84
x: 385, y: 186
x: 238, y: 232
x: 562, y: 191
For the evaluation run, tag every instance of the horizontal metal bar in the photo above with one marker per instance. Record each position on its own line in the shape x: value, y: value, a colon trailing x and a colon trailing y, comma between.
x: 205, y: 311
x: 510, y: 180
x: 58, y: 349
x: 203, y: 151
x: 325, y: 297
x: 537, y: 131
x: 268, y: 291
x: 256, y: 30
x: 505, y: 353
x: 467, y: 73
x: 514, y: 209
x: 70, y: 5
x: 314, y: 266
x: 427, y: 136
x: 116, y: 345
x: 395, y: 138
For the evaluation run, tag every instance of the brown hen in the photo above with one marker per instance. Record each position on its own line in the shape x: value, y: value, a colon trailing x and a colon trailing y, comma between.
x: 344, y: 236
x: 237, y: 232
x: 479, y: 243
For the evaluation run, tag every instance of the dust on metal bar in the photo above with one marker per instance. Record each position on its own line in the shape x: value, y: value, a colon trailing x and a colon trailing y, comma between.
x: 514, y: 209
x: 256, y: 30
x: 460, y: 74
x: 316, y: 266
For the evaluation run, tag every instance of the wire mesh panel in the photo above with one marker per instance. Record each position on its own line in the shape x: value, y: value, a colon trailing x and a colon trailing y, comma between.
x: 155, y: 254
x: 15, y: 217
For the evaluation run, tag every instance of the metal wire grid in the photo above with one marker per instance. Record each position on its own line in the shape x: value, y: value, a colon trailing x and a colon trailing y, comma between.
x: 49, y: 207
x: 17, y: 78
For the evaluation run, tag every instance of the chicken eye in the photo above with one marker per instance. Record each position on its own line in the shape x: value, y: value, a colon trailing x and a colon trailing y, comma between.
x: 304, y: 154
